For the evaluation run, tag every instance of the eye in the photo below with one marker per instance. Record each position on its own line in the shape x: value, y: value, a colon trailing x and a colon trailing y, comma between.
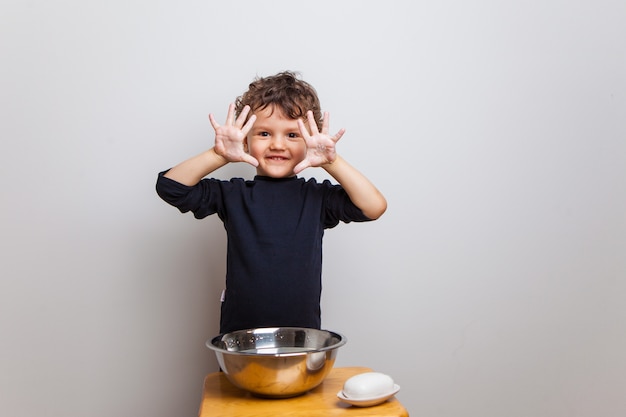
x: 293, y: 136
x: 264, y: 134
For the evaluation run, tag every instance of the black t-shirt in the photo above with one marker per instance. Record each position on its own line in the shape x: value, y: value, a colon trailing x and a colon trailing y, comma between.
x: 274, y: 228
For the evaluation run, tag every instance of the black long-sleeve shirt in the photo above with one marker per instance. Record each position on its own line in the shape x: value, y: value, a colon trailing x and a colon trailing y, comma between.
x: 274, y: 230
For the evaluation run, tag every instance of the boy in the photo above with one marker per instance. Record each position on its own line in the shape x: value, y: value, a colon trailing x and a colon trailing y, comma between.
x: 274, y: 223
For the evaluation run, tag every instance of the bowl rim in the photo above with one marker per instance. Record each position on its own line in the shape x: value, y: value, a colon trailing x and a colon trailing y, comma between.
x: 342, y: 341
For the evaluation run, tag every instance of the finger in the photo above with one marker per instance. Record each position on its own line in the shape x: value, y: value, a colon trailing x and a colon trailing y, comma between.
x: 230, y: 118
x: 301, y: 166
x: 325, y: 122
x: 312, y: 124
x: 213, y: 122
x: 303, y: 131
x: 338, y: 135
x: 251, y: 160
x: 243, y: 115
x: 246, y: 128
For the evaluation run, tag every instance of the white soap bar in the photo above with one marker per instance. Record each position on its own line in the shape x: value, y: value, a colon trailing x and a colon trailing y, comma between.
x: 368, y: 385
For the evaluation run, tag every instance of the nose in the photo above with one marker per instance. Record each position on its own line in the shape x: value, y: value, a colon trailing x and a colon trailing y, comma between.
x: 277, y: 142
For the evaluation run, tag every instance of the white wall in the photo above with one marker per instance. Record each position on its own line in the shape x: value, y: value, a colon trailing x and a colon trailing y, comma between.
x: 493, y: 286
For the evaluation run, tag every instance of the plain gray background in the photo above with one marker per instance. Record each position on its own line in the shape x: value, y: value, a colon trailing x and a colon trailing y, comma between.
x: 493, y: 286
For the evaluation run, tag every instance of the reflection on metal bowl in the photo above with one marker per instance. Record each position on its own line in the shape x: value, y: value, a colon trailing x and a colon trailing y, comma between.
x: 277, y: 362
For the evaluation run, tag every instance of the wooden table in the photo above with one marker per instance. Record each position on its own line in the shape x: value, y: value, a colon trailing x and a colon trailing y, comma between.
x: 221, y: 398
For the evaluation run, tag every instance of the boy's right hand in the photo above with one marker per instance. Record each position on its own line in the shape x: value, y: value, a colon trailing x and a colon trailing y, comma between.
x: 230, y: 137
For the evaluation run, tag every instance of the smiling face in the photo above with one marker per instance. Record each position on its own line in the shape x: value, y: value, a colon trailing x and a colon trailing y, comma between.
x: 275, y: 141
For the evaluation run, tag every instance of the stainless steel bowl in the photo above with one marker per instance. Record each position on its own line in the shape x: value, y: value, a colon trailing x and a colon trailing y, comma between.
x: 277, y: 362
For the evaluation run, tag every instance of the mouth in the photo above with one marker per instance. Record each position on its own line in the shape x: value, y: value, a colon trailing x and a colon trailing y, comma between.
x: 276, y: 158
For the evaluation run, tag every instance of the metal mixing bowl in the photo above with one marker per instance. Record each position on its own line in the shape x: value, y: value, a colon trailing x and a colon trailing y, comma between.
x: 277, y: 362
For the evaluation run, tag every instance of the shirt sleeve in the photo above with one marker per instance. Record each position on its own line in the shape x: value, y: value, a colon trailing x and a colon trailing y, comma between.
x: 339, y: 207
x: 201, y: 199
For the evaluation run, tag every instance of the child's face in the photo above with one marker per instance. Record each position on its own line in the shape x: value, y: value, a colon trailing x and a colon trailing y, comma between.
x: 275, y: 141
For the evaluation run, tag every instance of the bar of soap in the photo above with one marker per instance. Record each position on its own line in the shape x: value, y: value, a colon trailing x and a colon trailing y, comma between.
x: 368, y: 385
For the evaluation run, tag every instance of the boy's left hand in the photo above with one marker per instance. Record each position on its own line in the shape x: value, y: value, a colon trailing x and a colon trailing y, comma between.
x: 320, y: 145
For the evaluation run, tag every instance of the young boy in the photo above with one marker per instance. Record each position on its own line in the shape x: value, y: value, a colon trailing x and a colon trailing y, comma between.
x: 274, y: 223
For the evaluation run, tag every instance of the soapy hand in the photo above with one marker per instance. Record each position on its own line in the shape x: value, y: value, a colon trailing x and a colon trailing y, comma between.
x: 320, y: 145
x: 230, y: 137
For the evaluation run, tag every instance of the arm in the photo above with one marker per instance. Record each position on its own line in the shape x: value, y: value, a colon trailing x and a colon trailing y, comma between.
x: 229, y: 147
x: 361, y: 191
x: 191, y: 171
x: 321, y: 152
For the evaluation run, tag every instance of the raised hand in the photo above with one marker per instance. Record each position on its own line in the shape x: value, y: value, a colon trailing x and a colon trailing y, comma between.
x: 320, y: 145
x: 230, y: 137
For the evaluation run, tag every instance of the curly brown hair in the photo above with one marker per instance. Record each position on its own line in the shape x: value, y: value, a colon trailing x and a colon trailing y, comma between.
x: 285, y: 90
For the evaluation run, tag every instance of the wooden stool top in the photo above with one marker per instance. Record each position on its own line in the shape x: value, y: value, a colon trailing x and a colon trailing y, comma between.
x: 221, y: 398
